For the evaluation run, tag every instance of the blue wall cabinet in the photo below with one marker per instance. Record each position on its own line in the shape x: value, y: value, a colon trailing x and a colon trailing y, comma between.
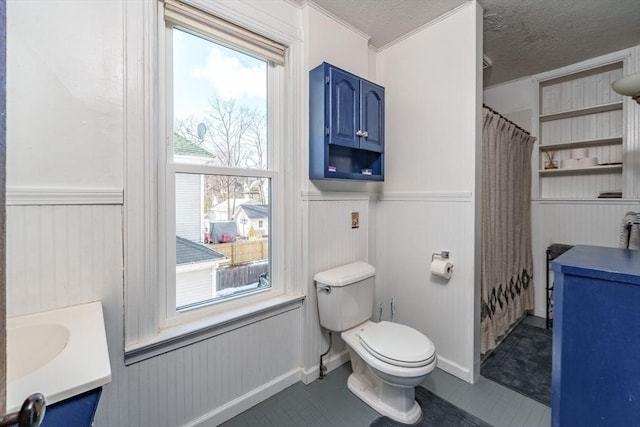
x: 595, y: 377
x: 346, y: 126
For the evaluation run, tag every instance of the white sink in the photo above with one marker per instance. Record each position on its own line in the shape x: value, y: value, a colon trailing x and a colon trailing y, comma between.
x: 59, y: 353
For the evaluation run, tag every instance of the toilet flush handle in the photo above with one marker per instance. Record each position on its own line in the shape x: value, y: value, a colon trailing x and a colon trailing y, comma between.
x: 326, y: 289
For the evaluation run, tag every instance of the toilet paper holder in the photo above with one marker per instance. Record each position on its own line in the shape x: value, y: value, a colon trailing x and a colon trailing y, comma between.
x: 444, y: 254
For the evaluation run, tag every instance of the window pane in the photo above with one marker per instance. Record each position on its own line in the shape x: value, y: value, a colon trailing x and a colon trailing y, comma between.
x: 220, y: 104
x: 222, y: 237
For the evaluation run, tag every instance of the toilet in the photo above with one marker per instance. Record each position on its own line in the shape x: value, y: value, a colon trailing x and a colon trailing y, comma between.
x: 388, y: 359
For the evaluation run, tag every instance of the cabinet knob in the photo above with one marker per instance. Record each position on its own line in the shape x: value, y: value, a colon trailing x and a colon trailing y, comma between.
x: 362, y: 133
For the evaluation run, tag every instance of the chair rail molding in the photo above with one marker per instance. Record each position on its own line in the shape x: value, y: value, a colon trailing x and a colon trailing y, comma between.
x: 462, y: 196
x: 64, y: 196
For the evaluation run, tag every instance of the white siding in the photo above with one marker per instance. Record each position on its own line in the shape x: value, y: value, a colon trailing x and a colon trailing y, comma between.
x: 189, y: 207
x: 195, y: 285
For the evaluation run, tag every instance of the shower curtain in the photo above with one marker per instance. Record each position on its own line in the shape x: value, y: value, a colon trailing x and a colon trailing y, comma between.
x: 506, y: 266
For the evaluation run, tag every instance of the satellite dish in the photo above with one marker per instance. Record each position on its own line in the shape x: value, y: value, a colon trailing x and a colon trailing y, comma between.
x: 202, y: 130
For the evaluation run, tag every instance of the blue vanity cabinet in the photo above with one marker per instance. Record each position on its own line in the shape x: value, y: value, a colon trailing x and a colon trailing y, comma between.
x: 596, y: 338
x: 346, y: 126
x: 76, y: 411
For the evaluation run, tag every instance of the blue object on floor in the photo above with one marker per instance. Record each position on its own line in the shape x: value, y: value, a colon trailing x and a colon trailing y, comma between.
x: 77, y: 411
x: 522, y: 362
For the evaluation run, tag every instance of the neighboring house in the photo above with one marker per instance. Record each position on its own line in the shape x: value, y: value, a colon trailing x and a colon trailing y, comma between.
x: 220, y: 212
x: 190, y: 190
x: 196, y: 267
x: 252, y: 216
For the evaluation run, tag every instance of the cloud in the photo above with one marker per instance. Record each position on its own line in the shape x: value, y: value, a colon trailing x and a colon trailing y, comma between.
x: 233, y: 78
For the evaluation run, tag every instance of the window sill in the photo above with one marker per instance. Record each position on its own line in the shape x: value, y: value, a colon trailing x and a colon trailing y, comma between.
x: 175, y: 337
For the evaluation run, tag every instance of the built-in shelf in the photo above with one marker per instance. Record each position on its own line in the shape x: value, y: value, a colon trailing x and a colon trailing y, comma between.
x: 595, y: 128
x: 583, y: 143
x: 581, y: 171
x: 617, y: 105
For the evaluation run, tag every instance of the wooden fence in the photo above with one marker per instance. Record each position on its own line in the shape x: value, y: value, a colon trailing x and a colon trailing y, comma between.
x: 243, y: 252
x: 240, y: 275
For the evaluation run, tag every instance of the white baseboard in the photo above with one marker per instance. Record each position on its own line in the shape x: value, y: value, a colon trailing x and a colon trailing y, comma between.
x: 257, y: 395
x: 454, y: 369
x: 246, y: 401
x: 309, y: 375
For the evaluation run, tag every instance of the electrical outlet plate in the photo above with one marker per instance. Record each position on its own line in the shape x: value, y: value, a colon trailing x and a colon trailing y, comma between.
x: 355, y: 219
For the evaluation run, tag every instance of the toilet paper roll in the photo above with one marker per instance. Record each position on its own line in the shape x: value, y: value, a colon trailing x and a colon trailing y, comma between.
x: 579, y: 153
x: 442, y: 268
x: 587, y: 162
x: 569, y: 164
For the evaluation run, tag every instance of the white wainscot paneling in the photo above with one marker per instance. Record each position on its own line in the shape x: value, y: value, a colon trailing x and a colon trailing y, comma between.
x: 60, y: 255
x: 408, y: 232
x: 209, y: 382
x: 580, y: 186
x: 574, y: 223
x: 331, y: 243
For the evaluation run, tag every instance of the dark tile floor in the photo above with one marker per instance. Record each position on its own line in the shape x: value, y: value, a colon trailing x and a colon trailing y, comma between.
x: 329, y: 403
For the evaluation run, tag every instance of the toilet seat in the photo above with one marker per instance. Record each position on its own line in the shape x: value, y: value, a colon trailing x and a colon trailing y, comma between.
x: 397, y: 344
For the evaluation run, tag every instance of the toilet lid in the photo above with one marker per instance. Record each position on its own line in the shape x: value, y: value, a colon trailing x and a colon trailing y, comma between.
x: 398, y: 344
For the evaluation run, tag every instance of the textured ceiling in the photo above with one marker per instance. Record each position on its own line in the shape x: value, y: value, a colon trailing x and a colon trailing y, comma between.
x: 531, y: 36
x: 521, y: 37
x: 387, y: 20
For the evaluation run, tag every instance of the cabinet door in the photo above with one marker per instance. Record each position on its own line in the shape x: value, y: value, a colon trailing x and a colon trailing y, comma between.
x: 372, y: 117
x: 344, y: 106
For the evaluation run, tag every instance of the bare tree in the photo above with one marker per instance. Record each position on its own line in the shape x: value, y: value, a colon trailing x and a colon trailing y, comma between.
x: 258, y: 136
x: 236, y: 137
x: 231, y: 136
x: 187, y: 128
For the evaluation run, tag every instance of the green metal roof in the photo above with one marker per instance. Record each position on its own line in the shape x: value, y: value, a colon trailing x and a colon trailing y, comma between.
x: 188, y: 252
x: 184, y: 147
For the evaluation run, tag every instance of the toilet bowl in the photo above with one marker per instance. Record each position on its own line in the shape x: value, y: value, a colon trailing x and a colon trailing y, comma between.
x: 388, y: 361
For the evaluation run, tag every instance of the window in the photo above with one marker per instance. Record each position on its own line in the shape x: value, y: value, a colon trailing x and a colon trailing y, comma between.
x: 219, y: 127
x: 221, y: 130
x: 195, y: 210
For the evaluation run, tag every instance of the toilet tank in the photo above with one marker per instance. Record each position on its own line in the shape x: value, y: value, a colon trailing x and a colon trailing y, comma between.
x: 345, y: 295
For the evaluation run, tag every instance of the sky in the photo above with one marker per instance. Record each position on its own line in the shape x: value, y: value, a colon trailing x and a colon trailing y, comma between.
x: 203, y: 69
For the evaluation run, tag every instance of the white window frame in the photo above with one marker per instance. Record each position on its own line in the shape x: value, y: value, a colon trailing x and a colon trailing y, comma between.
x: 152, y: 329
x: 169, y: 168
